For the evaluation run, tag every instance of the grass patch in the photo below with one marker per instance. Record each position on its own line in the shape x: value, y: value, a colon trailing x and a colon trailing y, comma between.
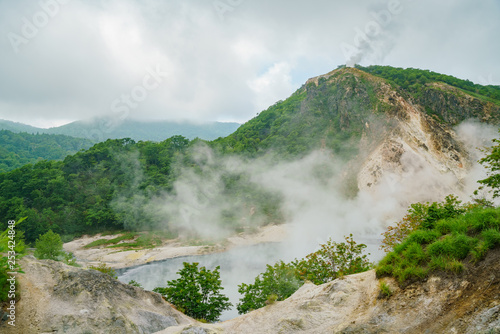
x: 444, y: 247
x: 103, y: 242
x: 455, y: 245
x: 114, y: 232
x: 385, y: 290
x: 145, y: 240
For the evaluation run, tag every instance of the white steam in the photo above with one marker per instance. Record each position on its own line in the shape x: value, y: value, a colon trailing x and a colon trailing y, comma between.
x: 312, y: 190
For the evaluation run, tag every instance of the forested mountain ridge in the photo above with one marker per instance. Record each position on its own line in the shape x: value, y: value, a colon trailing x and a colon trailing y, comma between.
x: 103, y: 128
x: 358, y: 116
x: 18, y: 149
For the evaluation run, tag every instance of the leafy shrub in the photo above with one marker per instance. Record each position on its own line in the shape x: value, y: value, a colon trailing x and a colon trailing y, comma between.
x: 278, y: 282
x: 49, y: 246
x: 197, y: 292
x: 283, y: 279
x: 492, y: 163
x: 136, y: 284
x: 103, y: 268
x: 70, y: 259
x: 422, y: 215
x: 332, y: 260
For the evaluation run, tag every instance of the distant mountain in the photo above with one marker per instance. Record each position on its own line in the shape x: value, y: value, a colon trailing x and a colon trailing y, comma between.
x: 19, y: 127
x: 18, y: 149
x: 100, y: 129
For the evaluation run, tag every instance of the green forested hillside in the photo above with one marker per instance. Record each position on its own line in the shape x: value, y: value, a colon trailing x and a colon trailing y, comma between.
x: 18, y: 149
x: 113, y: 185
x: 108, y: 186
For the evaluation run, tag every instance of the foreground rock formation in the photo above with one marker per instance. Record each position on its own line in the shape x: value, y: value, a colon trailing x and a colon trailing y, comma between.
x: 56, y: 298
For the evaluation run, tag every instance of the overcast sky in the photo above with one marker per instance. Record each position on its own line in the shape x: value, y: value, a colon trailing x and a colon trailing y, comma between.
x: 205, y: 60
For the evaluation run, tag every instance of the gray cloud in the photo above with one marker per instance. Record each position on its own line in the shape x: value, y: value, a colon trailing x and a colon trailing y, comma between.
x: 221, y: 65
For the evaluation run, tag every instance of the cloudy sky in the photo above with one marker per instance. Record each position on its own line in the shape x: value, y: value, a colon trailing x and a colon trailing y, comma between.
x: 224, y: 60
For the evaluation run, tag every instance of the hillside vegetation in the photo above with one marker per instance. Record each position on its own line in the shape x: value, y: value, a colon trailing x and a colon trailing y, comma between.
x: 18, y: 149
x: 444, y: 241
x: 432, y: 90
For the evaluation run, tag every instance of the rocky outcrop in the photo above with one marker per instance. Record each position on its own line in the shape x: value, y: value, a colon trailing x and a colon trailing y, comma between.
x: 453, y: 105
x: 57, y: 298
x: 414, y: 144
x: 467, y: 303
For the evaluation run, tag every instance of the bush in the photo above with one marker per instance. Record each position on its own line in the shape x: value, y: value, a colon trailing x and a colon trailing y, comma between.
x: 70, y: 259
x: 333, y: 260
x: 278, y: 282
x: 49, y: 246
x: 424, y: 236
x: 491, y: 237
x: 492, y: 163
x: 283, y: 279
x: 197, y: 292
x: 424, y: 216
x: 136, y: 284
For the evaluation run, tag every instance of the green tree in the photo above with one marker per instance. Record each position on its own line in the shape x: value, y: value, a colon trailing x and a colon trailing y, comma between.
x: 49, y: 246
x: 197, y: 292
x: 492, y: 163
x: 332, y: 260
x: 278, y: 282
